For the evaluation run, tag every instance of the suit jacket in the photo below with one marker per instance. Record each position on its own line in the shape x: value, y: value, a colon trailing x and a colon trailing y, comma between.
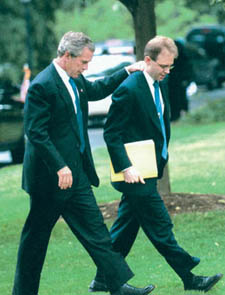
x: 51, y: 127
x: 133, y: 117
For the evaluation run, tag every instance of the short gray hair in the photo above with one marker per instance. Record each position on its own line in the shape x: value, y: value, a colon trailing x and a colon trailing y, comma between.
x: 74, y: 43
x: 155, y: 46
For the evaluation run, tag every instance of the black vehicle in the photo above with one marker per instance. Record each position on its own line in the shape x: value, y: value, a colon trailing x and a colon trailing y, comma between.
x: 11, y: 121
x: 208, y: 43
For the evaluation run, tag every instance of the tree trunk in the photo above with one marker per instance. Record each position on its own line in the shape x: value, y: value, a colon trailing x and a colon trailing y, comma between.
x: 144, y: 25
x: 164, y: 183
x: 143, y: 13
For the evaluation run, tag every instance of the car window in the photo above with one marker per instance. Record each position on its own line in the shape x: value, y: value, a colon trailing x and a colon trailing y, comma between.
x: 196, y: 38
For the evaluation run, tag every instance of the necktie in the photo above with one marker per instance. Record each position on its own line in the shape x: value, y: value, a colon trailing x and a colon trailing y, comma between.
x: 160, y: 114
x: 79, y: 115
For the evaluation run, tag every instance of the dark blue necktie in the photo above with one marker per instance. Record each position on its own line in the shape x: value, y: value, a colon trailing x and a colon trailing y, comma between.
x: 160, y: 114
x: 79, y: 115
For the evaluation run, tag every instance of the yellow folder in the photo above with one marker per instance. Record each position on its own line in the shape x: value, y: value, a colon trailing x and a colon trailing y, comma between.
x: 143, y: 158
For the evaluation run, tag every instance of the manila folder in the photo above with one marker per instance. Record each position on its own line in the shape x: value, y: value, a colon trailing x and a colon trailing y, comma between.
x: 143, y: 158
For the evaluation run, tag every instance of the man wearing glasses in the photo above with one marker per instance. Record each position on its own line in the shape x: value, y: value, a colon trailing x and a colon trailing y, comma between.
x: 140, y: 111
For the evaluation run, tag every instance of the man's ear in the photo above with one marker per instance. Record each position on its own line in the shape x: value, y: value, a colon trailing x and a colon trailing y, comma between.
x: 147, y: 59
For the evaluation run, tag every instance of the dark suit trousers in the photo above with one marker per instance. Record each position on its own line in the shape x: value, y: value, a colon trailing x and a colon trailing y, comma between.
x: 148, y: 212
x: 79, y: 210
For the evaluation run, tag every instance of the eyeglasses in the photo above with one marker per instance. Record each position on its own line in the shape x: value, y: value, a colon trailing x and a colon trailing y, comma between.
x: 164, y: 67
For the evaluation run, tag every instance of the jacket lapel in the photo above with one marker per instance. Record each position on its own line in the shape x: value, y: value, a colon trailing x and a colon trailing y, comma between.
x: 65, y: 96
x: 148, y: 101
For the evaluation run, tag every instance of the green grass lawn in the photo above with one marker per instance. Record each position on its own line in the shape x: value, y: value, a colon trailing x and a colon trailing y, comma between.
x: 196, y: 165
x: 197, y: 158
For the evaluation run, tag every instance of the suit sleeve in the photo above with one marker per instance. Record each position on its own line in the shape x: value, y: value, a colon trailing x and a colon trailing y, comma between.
x: 102, y: 88
x: 37, y: 115
x: 116, y: 126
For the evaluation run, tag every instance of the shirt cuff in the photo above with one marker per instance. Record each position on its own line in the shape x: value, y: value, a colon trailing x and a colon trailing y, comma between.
x: 126, y: 169
x: 127, y: 71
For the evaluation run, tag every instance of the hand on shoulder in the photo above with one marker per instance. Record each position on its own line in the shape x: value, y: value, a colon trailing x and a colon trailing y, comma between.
x: 137, y: 66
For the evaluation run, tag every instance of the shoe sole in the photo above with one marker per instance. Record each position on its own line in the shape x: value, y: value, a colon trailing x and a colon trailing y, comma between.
x: 96, y: 290
x: 219, y: 277
x: 149, y: 290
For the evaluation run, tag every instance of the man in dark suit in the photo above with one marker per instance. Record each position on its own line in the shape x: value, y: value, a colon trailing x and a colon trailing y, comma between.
x: 140, y: 111
x: 178, y: 81
x: 58, y: 168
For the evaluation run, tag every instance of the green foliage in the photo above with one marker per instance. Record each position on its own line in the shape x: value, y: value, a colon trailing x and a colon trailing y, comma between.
x: 101, y: 20
x: 13, y: 40
x: 178, y: 18
x: 13, y: 27
x: 214, y: 111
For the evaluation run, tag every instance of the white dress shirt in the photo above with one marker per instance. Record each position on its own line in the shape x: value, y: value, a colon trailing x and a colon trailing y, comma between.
x: 65, y: 78
x: 150, y: 82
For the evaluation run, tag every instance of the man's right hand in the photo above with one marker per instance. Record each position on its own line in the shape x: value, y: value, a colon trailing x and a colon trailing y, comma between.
x: 131, y: 175
x: 65, y: 178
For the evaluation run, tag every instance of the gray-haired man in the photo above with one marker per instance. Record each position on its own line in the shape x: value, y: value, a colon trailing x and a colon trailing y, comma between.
x: 58, y: 168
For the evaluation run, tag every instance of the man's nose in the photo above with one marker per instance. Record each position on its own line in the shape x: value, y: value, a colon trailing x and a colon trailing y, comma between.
x: 167, y: 70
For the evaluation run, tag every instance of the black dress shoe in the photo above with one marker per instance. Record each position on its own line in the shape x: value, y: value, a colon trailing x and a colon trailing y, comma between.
x: 130, y: 290
x: 97, y: 287
x: 201, y: 283
x: 126, y: 289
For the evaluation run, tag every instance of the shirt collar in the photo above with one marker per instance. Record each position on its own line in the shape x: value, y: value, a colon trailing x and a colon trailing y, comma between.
x: 62, y: 73
x: 149, y: 79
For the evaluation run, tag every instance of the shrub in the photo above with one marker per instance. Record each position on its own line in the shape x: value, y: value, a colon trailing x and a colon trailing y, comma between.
x: 214, y: 111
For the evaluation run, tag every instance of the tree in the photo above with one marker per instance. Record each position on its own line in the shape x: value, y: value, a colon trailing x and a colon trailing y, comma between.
x: 143, y: 14
x: 42, y: 37
x: 144, y: 17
